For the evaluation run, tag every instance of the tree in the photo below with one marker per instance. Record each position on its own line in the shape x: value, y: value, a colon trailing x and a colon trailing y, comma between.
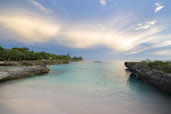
x: 1, y: 48
x: 18, y: 54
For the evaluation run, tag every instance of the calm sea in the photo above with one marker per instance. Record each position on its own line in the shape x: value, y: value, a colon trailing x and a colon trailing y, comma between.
x: 83, y: 88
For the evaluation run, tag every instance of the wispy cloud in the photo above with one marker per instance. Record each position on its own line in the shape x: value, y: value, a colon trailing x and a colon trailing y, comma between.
x: 158, y: 7
x: 147, y: 25
x: 113, y: 35
x: 41, y: 7
x: 163, y: 52
x: 103, y: 2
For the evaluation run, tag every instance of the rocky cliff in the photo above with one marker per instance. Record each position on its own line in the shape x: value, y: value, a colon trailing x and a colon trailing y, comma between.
x: 154, y: 77
x: 15, y: 73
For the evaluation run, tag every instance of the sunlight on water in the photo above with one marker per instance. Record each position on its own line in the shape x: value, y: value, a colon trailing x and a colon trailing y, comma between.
x: 83, y: 88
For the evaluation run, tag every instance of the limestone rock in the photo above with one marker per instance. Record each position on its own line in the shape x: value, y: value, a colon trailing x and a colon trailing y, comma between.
x: 36, y: 62
x: 14, y: 73
x: 154, y: 77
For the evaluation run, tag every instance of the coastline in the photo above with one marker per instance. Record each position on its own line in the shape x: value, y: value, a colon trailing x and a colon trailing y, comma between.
x: 16, y: 73
x: 33, y: 62
x: 153, y: 77
x: 29, y: 68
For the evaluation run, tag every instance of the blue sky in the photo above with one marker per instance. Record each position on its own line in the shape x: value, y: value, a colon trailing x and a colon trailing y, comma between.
x: 94, y: 29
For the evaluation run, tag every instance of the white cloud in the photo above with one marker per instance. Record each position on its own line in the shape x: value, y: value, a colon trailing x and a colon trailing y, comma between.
x: 115, y: 39
x: 103, y: 2
x: 163, y: 52
x: 158, y: 7
x: 114, y: 34
x: 147, y: 25
x: 29, y: 29
x: 41, y: 7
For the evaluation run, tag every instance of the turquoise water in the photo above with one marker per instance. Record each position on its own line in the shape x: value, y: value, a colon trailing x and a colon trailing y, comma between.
x: 83, y: 88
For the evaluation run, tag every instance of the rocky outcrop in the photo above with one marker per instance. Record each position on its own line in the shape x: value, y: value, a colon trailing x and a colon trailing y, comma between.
x: 38, y: 62
x: 15, y: 73
x: 154, y: 77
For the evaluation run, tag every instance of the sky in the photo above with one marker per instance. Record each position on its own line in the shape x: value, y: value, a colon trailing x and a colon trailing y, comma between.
x: 93, y: 29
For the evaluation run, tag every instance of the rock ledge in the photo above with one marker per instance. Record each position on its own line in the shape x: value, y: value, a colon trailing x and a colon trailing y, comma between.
x: 154, y: 77
x: 15, y: 73
x: 36, y: 62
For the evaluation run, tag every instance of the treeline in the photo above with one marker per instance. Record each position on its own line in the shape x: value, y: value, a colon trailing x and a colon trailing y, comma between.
x: 19, y: 54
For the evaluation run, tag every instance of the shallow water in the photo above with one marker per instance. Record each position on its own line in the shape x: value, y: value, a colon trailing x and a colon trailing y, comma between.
x: 83, y: 88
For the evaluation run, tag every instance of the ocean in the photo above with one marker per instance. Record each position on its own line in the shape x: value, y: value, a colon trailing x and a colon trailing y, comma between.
x: 83, y: 88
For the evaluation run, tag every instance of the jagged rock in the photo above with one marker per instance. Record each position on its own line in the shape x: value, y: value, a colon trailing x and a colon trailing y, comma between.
x: 15, y: 73
x: 154, y: 77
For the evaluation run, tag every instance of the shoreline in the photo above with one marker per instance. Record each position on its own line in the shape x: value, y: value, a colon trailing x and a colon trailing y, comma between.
x: 16, y: 73
x: 153, y: 77
x: 33, y: 62
x: 30, y: 68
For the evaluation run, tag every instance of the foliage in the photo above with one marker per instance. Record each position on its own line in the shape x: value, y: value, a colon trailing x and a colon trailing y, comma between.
x: 77, y: 58
x: 158, y: 65
x: 18, y: 54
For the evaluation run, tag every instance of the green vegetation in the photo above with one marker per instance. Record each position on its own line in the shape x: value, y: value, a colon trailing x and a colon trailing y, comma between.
x: 19, y: 54
x: 158, y: 65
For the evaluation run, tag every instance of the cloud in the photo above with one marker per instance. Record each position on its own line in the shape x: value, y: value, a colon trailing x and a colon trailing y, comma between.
x: 118, y: 40
x: 147, y: 25
x: 150, y: 41
x: 103, y: 2
x: 114, y: 35
x: 163, y: 52
x: 158, y: 7
x: 41, y: 7
x: 29, y: 28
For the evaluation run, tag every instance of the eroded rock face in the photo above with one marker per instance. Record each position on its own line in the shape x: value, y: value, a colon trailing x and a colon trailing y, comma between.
x: 14, y: 73
x: 154, y: 77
